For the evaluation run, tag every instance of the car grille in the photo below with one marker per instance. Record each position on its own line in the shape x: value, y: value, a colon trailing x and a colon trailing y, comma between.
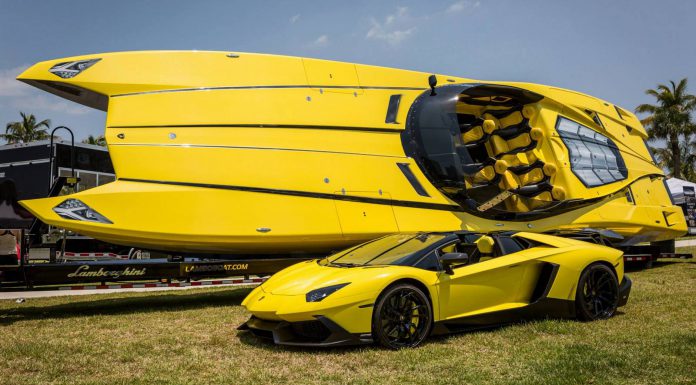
x: 265, y: 334
x: 310, y: 330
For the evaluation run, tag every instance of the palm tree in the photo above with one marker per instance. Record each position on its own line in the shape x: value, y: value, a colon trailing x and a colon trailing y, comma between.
x: 670, y: 119
x: 687, y: 151
x: 95, y: 140
x: 27, y: 130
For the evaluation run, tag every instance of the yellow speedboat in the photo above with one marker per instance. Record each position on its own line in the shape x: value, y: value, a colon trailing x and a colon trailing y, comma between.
x: 251, y: 153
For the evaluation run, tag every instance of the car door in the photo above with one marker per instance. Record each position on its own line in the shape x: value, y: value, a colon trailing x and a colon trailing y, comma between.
x: 491, y: 285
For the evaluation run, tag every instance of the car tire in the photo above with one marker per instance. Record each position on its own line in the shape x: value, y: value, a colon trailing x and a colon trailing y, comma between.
x: 402, y: 317
x: 597, y: 295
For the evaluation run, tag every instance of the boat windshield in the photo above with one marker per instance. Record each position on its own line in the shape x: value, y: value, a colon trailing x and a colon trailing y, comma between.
x: 394, y: 249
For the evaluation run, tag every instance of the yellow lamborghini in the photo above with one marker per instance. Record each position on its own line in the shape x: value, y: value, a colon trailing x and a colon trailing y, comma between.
x: 399, y: 289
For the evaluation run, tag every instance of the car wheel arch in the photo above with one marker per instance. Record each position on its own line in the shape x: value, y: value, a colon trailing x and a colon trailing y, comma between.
x: 400, y: 284
x: 582, y: 312
x: 423, y: 287
x: 595, y: 262
x: 417, y: 283
x: 605, y: 263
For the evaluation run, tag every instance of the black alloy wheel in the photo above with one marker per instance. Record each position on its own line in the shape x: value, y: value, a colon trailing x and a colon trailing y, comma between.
x: 402, y: 317
x: 597, y: 295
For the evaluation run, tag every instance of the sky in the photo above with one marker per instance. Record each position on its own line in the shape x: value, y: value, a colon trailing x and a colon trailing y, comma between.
x: 614, y: 50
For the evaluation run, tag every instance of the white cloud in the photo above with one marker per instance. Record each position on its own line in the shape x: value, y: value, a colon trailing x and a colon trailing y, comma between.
x: 43, y: 103
x: 463, y: 5
x: 394, y: 29
x: 321, y: 41
x: 28, y: 99
x: 294, y: 19
x: 9, y: 85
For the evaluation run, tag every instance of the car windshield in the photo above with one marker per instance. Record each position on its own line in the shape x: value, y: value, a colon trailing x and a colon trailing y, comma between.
x: 390, y: 250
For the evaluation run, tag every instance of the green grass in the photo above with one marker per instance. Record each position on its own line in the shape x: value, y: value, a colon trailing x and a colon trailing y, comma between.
x: 189, y: 337
x: 689, y: 250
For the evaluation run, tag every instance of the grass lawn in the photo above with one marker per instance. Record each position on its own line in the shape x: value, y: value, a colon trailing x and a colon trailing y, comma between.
x: 689, y: 250
x: 189, y: 337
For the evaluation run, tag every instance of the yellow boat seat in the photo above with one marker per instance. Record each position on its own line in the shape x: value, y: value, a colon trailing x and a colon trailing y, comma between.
x: 512, y: 181
x: 490, y: 124
x: 472, y: 135
x: 540, y: 200
x: 520, y: 158
x: 523, y: 142
x: 534, y: 175
x: 479, y: 134
x: 486, y: 174
x: 530, y: 196
x: 489, y: 172
x: 508, y: 181
x: 549, y: 169
x: 512, y: 119
x: 529, y: 112
x: 502, y: 146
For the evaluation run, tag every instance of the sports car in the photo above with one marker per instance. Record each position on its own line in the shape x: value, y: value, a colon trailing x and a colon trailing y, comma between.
x: 399, y: 289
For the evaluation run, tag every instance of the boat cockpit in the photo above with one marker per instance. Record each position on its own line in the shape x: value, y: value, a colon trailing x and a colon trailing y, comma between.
x: 477, y: 143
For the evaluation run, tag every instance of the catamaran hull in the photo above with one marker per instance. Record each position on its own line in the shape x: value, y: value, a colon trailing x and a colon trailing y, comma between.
x: 250, y: 153
x: 230, y: 219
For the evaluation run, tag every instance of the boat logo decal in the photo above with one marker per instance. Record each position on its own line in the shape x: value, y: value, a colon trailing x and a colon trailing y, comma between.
x: 71, y: 69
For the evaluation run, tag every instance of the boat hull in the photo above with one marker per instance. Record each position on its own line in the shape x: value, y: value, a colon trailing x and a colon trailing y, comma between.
x: 182, y: 217
x: 264, y: 154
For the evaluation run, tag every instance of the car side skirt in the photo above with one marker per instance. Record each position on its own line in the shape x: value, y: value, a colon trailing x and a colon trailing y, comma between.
x: 551, y: 308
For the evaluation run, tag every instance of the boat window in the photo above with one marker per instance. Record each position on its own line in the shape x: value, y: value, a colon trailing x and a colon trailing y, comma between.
x: 594, y: 158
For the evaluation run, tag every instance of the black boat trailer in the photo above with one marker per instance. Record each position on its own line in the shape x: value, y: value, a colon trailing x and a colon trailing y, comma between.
x: 139, y: 272
x: 643, y: 256
x: 636, y: 256
x: 169, y: 270
x: 173, y: 270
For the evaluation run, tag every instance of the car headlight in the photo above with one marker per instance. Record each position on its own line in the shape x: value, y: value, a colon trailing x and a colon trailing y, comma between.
x: 594, y: 158
x: 319, y: 294
x: 76, y: 210
x: 71, y: 69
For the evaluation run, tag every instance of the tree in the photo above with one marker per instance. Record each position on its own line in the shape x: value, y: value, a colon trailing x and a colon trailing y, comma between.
x: 27, y: 130
x: 670, y: 119
x: 688, y: 158
x: 95, y: 140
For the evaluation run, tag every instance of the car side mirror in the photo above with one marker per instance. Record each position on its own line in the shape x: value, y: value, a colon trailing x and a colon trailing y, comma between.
x: 450, y: 259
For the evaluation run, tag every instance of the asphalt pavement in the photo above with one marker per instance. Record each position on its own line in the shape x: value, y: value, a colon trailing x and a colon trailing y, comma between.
x: 685, y: 243
x: 41, y: 293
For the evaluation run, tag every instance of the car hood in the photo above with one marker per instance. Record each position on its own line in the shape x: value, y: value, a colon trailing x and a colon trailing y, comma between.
x: 307, y: 276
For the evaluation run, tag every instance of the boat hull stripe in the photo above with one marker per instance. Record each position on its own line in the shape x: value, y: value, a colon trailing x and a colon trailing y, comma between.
x: 306, y: 194
x: 307, y: 127
x: 270, y: 87
x: 186, y: 145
